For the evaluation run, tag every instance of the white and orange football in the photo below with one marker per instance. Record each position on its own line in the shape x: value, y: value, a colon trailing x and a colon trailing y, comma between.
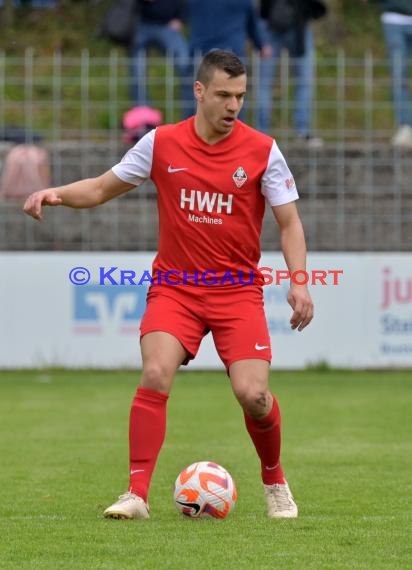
x: 205, y: 489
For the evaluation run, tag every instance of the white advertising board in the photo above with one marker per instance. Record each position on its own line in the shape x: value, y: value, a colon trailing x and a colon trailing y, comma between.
x: 364, y: 321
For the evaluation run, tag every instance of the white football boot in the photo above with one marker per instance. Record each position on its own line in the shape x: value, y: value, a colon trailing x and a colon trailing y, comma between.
x: 280, y: 502
x: 129, y: 506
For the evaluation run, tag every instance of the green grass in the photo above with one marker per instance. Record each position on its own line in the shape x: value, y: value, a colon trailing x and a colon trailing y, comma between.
x: 347, y: 455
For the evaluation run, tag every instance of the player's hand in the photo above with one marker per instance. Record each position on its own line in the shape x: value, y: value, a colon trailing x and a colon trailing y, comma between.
x: 33, y: 204
x: 266, y: 52
x: 302, y: 305
x: 176, y: 25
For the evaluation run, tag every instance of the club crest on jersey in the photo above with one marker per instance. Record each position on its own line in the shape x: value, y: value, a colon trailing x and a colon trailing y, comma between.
x: 290, y: 183
x: 240, y: 177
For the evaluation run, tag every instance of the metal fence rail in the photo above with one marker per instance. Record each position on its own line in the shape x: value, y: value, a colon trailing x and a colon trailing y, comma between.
x: 356, y: 192
x: 84, y: 97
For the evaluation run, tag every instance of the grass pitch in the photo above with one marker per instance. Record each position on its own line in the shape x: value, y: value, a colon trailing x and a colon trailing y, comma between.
x: 347, y: 455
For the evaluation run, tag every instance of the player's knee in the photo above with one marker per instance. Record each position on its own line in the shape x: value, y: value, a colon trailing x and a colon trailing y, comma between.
x: 254, y: 401
x: 156, y: 376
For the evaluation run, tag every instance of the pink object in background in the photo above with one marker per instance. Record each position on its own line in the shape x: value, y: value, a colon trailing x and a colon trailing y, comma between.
x: 138, y: 121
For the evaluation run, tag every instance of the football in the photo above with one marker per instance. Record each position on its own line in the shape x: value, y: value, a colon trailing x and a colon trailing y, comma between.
x: 205, y: 489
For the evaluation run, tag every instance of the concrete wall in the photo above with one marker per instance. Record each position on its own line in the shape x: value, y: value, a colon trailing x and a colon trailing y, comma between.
x: 354, y: 197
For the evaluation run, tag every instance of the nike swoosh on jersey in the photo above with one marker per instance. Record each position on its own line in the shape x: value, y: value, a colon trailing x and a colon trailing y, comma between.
x: 258, y: 347
x: 136, y: 471
x: 171, y: 170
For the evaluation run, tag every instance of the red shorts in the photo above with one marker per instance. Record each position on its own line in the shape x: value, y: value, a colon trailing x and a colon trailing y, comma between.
x: 234, y: 315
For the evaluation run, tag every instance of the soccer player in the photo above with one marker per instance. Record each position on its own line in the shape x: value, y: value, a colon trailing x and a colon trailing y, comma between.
x: 213, y: 174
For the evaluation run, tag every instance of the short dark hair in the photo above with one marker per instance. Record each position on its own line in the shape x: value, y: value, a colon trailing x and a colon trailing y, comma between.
x: 220, y: 59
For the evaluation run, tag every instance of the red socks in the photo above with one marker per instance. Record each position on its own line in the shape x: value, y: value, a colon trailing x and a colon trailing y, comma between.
x: 266, y: 437
x: 147, y: 430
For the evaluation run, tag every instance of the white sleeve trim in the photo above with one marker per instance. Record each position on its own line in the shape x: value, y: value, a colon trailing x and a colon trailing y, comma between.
x: 277, y: 184
x: 136, y: 165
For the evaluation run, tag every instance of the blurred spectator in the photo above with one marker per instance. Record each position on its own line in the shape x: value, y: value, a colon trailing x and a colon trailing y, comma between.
x: 221, y: 24
x: 286, y: 25
x: 32, y: 3
x: 139, y: 121
x: 397, y: 27
x: 26, y: 166
x: 160, y: 25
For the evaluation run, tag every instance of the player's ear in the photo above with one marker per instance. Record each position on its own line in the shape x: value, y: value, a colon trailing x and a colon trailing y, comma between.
x: 199, y: 91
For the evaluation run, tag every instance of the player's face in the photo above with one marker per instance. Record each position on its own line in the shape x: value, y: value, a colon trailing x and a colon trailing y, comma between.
x: 221, y: 101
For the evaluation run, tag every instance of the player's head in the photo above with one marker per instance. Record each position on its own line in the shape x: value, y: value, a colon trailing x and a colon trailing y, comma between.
x: 220, y: 88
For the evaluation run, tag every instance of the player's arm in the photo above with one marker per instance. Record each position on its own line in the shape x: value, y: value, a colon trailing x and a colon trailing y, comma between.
x: 86, y: 193
x: 293, y: 245
x: 134, y: 168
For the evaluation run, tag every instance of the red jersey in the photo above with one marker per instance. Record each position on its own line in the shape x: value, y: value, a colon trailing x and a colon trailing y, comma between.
x: 211, y: 197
